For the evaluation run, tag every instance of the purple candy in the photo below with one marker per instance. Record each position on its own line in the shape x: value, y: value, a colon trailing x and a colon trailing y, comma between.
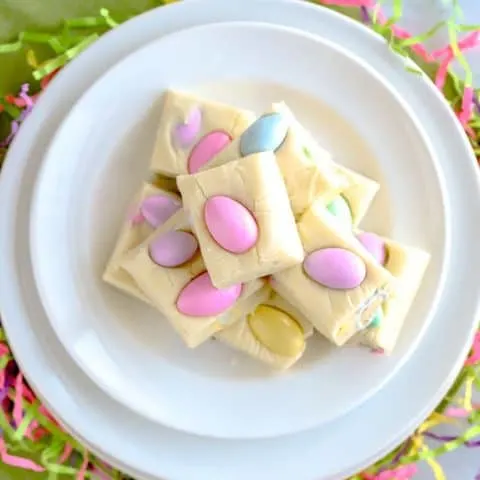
x: 157, y: 209
x: 173, y: 249
x: 375, y: 246
x: 184, y: 134
x: 335, y: 268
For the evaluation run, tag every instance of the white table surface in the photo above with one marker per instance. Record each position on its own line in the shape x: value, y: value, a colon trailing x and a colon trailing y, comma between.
x: 419, y: 16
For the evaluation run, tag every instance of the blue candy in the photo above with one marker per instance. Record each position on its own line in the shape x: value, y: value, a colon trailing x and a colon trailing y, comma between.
x: 264, y: 135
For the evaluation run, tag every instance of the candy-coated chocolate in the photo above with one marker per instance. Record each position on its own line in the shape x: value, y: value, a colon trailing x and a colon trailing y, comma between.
x: 307, y: 152
x: 377, y: 318
x: 206, y: 148
x: 340, y: 208
x: 277, y: 331
x: 200, y: 298
x: 335, y: 268
x: 375, y: 245
x: 184, y: 134
x: 264, y: 135
x: 173, y: 248
x: 230, y: 224
x: 157, y: 209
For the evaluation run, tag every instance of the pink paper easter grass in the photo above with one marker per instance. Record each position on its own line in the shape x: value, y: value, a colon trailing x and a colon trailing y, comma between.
x: 19, y: 462
x: 474, y: 357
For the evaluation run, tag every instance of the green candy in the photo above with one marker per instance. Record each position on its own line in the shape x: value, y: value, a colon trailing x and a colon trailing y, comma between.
x: 340, y: 208
x: 377, y: 318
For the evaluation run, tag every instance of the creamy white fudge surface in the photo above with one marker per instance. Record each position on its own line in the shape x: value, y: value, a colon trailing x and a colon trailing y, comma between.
x: 272, y: 331
x: 134, y: 231
x: 260, y: 201
x: 163, y: 285
x: 192, y: 130
x: 339, y: 285
x: 307, y: 170
x: 408, y: 265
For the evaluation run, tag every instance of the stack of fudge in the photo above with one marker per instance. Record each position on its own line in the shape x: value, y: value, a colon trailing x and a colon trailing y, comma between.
x: 248, y: 233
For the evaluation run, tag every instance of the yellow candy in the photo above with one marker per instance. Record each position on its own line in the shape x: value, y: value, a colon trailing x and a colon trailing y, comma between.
x: 277, y: 331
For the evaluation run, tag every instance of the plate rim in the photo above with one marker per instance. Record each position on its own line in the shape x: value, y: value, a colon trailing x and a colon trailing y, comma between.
x: 9, y: 169
x: 40, y: 263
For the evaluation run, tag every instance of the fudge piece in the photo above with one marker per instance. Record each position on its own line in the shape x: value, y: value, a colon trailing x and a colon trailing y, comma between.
x: 242, y: 218
x: 151, y: 207
x: 271, y: 330
x: 164, y: 182
x: 168, y: 268
x: 351, y: 205
x: 193, y: 130
x: 408, y: 265
x: 357, y: 191
x: 308, y: 171
x: 339, y: 285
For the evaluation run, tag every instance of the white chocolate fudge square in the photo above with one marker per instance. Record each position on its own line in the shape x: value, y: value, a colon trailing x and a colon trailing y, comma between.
x: 408, y: 265
x: 242, y: 218
x: 271, y: 330
x: 307, y: 175
x: 192, y: 130
x: 151, y: 207
x: 165, y: 275
x: 357, y: 191
x: 339, y: 285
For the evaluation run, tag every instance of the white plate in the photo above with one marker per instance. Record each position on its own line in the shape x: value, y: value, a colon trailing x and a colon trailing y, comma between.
x: 97, y: 161
x: 366, y: 433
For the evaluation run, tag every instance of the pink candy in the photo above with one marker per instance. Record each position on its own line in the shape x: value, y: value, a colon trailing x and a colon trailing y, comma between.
x: 206, y: 148
x: 157, y: 209
x: 375, y: 246
x: 335, y: 268
x: 173, y: 249
x: 231, y: 224
x: 200, y: 298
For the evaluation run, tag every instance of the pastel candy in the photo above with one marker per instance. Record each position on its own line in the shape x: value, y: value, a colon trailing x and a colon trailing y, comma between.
x: 335, y: 268
x: 206, y: 148
x: 277, y: 331
x: 307, y: 152
x: 173, y: 248
x: 200, y: 298
x: 375, y: 245
x: 230, y: 224
x: 264, y: 135
x: 157, y: 209
x: 184, y: 134
x: 377, y: 318
x: 340, y: 208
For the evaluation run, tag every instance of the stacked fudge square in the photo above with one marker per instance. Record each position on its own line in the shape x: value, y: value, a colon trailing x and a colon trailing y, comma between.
x: 249, y: 233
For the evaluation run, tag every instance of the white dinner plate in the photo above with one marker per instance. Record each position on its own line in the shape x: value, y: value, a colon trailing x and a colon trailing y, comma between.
x: 326, y: 453
x: 100, y: 156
